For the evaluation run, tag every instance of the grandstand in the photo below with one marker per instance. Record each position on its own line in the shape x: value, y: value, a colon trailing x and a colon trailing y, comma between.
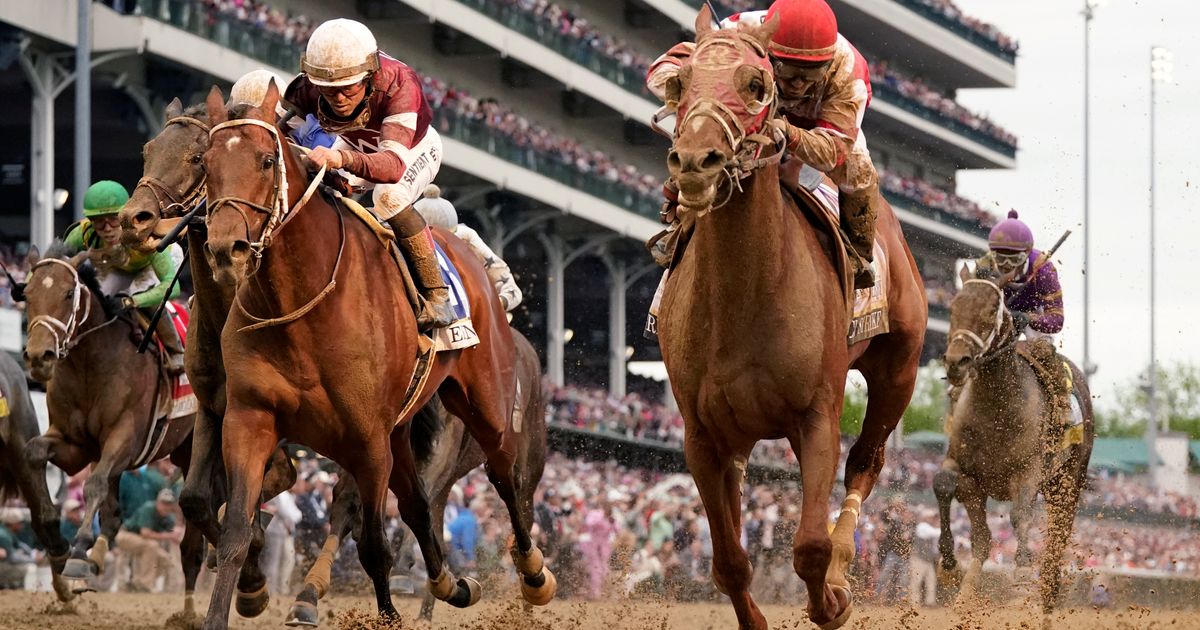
x: 544, y: 116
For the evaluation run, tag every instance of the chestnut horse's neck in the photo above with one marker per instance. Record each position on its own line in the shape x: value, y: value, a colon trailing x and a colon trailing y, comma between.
x: 1001, y: 382
x: 749, y: 247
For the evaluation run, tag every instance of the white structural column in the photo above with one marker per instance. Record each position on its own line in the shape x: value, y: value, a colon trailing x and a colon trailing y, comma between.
x: 40, y: 70
x: 616, y: 326
x: 555, y: 270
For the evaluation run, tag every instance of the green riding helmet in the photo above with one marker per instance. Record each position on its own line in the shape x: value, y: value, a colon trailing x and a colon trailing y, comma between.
x: 103, y: 198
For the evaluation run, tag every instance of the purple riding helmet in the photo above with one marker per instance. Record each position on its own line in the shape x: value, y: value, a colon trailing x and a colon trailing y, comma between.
x: 1010, y: 241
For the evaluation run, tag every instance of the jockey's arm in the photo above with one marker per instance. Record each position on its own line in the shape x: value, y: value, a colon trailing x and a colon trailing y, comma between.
x: 823, y: 147
x: 1049, y: 292
x: 165, y: 265
x: 398, y: 133
x: 831, y: 140
x: 74, y: 238
x: 667, y: 67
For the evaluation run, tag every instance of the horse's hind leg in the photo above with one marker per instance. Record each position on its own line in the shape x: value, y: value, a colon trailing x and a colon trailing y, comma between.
x: 719, y: 480
x: 945, y: 485
x: 203, y: 485
x: 344, y: 516
x: 248, y: 441
x: 1022, y: 518
x: 817, y: 448
x: 414, y: 510
x: 487, y: 424
x: 191, y: 553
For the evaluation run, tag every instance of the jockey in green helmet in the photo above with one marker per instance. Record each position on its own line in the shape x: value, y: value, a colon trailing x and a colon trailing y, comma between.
x: 130, y: 278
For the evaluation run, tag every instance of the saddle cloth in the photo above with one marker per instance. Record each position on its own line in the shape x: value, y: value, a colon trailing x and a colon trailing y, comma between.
x: 3, y: 405
x: 177, y: 400
x: 868, y: 307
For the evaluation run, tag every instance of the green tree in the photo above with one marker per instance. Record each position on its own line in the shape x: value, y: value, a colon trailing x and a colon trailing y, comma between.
x: 1178, y: 400
x: 926, y: 411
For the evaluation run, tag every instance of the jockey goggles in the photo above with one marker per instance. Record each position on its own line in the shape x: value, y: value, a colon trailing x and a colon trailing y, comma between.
x: 793, y: 73
x: 1012, y: 260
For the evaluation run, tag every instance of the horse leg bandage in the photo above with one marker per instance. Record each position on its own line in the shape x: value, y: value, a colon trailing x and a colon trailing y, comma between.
x: 443, y: 587
x: 98, y: 552
x: 318, y: 575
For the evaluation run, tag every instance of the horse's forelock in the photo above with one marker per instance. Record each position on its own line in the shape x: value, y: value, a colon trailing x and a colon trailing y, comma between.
x: 86, y: 270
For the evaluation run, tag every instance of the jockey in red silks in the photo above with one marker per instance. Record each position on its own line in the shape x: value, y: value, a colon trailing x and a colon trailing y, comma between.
x: 824, y: 89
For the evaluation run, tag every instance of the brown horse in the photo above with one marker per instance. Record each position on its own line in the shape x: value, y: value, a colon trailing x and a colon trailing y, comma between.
x: 18, y: 425
x: 754, y: 321
x: 328, y: 363
x: 444, y: 451
x: 104, y: 399
x: 1005, y: 438
x: 172, y: 184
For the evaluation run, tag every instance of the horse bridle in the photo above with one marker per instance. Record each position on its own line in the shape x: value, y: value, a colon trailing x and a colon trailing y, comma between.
x: 984, y: 344
x: 63, y: 332
x: 278, y: 214
x: 186, y: 200
x: 278, y: 211
x: 747, y: 144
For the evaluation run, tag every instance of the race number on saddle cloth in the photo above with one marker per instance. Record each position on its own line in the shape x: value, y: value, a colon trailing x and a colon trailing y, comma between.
x: 461, y: 333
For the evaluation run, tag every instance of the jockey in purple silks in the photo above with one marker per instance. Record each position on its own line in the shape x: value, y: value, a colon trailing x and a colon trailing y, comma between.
x: 1035, y: 299
x: 1034, y: 296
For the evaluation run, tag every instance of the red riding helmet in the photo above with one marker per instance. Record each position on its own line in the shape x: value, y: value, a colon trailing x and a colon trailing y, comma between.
x: 807, y: 30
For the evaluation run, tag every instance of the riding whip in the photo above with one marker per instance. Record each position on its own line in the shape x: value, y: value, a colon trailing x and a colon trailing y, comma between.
x: 166, y: 298
x: 173, y: 235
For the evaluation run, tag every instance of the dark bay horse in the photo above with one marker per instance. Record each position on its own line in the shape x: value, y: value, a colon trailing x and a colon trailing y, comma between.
x: 1006, y: 440
x: 754, y: 325
x: 18, y: 475
x: 172, y: 184
x: 326, y: 357
x: 104, y: 399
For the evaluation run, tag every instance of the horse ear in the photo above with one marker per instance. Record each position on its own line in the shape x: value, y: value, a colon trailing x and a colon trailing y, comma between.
x: 704, y: 21
x: 270, y: 102
x: 964, y: 274
x: 174, y: 109
x: 765, y: 32
x: 217, y: 113
x: 79, y: 259
x: 33, y: 256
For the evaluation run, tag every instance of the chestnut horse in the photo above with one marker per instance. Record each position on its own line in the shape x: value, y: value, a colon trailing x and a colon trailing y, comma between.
x: 172, y: 184
x: 1006, y: 440
x: 754, y: 325
x: 325, y: 357
x: 104, y: 399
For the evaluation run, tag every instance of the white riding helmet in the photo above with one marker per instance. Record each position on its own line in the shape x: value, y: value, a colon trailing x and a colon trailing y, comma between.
x: 436, y: 211
x: 340, y: 52
x: 251, y: 89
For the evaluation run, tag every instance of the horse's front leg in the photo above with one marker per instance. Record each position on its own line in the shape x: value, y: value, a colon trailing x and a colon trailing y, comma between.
x: 975, y: 502
x: 114, y: 459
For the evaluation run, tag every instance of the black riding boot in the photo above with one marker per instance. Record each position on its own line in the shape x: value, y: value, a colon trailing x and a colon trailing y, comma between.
x: 417, y: 244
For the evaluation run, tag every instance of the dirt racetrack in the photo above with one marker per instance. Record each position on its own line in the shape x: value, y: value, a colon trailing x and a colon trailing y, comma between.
x: 113, y: 611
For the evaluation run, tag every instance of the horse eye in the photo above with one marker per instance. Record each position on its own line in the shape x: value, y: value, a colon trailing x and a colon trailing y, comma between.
x: 756, y: 88
x: 268, y: 162
x: 197, y: 158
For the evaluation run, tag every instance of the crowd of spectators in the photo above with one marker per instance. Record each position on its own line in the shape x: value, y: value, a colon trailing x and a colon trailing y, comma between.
x: 939, y: 292
x: 951, y: 12
x: 884, y: 75
x: 1116, y: 493
x: 926, y: 194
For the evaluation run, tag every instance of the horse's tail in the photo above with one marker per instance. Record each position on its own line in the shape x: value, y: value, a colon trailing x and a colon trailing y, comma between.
x: 427, y: 425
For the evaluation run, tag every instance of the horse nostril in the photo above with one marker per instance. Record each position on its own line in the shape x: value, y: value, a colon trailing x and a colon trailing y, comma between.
x: 142, y: 218
x: 240, y: 251
x: 673, y: 160
x: 711, y: 161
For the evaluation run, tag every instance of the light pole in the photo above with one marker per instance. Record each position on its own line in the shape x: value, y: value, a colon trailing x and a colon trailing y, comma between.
x: 1160, y: 72
x: 1089, y: 12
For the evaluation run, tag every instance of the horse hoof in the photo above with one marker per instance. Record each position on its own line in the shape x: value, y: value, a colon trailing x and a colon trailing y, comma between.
x: 62, y: 587
x: 302, y: 614
x: 841, y: 594
x: 542, y: 594
x: 79, y: 569
x: 467, y: 594
x: 79, y: 587
x: 253, y: 604
x: 401, y: 585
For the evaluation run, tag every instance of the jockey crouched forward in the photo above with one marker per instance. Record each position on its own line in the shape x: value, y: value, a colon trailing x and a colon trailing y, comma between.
x: 374, y: 106
x: 440, y: 213
x: 130, y: 278
x: 824, y: 89
x: 1035, y: 299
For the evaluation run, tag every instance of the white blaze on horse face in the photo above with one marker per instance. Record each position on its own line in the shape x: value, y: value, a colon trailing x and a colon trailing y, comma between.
x: 697, y: 123
x: 232, y: 142
x: 47, y: 282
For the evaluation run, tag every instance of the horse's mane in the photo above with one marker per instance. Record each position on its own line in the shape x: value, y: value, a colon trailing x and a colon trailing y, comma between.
x: 198, y: 111
x: 87, y: 271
